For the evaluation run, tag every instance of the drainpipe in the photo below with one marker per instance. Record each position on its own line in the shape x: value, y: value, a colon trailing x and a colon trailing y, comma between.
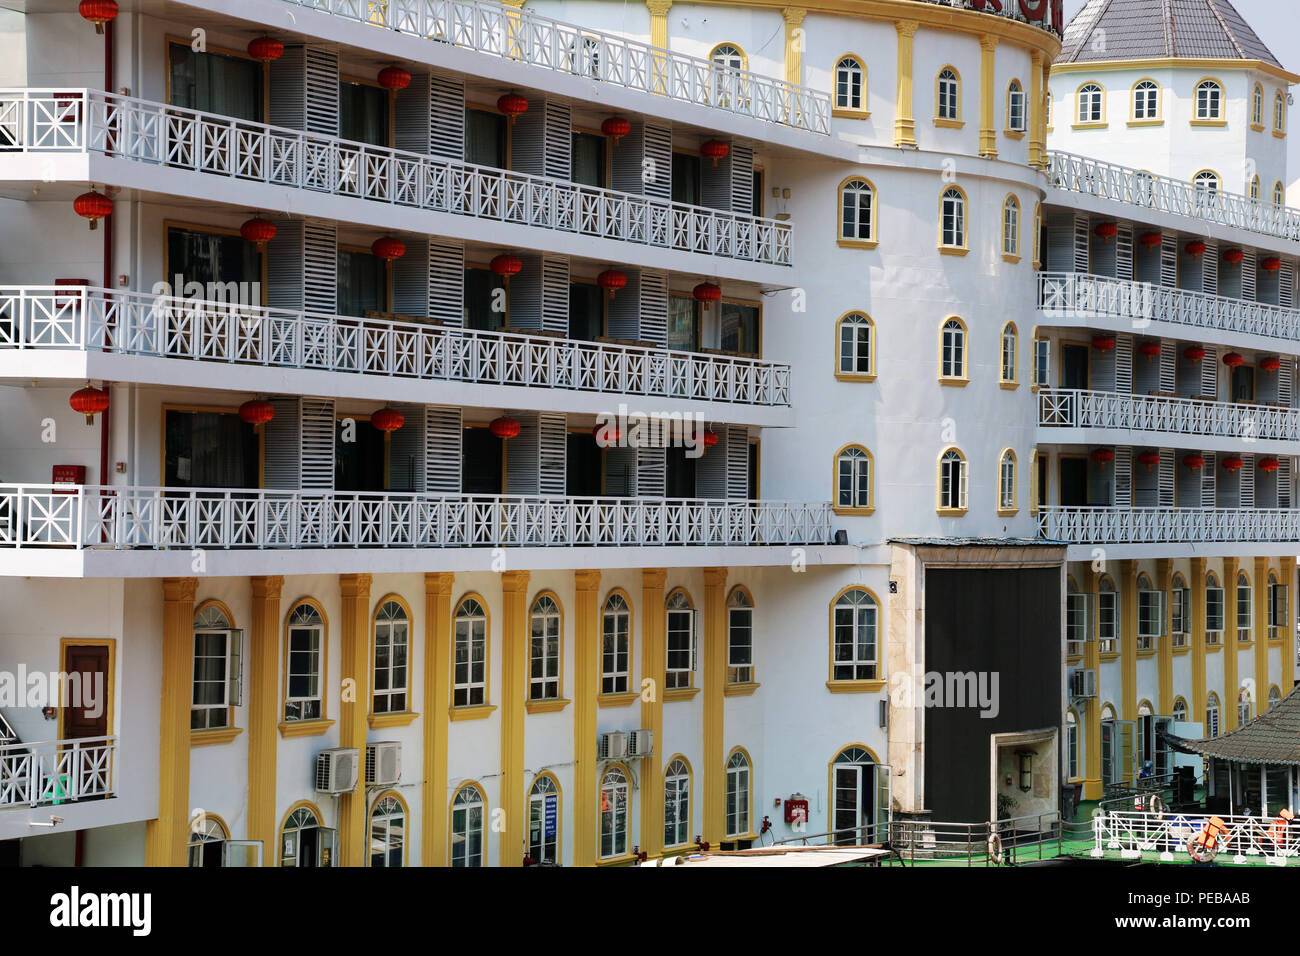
x: 104, y: 429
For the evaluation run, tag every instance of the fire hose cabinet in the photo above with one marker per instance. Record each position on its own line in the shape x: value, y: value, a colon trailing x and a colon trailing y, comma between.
x: 796, y: 809
x: 68, y: 475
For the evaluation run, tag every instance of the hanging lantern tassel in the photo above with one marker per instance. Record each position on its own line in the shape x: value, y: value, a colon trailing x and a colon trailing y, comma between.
x: 98, y: 12
x: 611, y: 280
x: 1149, y: 458
x: 715, y: 149
x: 93, y: 206
x: 89, y: 401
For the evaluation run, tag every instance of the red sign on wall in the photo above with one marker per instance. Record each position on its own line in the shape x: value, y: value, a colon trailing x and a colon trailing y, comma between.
x: 69, y: 475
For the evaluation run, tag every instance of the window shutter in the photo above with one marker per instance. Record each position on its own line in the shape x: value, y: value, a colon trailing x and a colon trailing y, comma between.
x: 287, y: 96
x: 555, y: 294
x: 1124, y: 252
x: 1209, y: 492
x: 624, y: 311
x: 429, y: 116
x: 1168, y: 366
x: 1210, y: 373
x: 657, y: 168
x: 320, y: 266
x: 654, y: 308
x: 1165, y: 487
x: 711, y: 470
x: 1210, y: 268
x: 1104, y: 371
x: 1284, y: 482
x: 737, y: 438
x: 280, y: 434
x: 1286, y: 284
x: 1246, y: 493
x: 300, y: 444
x: 1060, y: 243
x: 406, y: 462
x: 1285, y: 376
x: 1082, y: 243
x: 742, y: 178
x: 651, y: 472
x: 620, y: 471
x: 411, y: 292
x: 559, y: 140
x: 318, y: 428
x: 627, y: 175
x: 523, y: 456
x: 525, y: 296
x: 235, y: 681
x: 1247, y: 268
x: 528, y: 144
x: 715, y: 182
x: 447, y: 281
x: 1124, y: 364
x: 1169, y: 261
x: 1123, y: 465
x: 442, y: 456
x: 553, y: 438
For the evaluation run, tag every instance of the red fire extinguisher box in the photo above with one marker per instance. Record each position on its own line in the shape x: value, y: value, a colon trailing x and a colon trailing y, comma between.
x: 69, y: 475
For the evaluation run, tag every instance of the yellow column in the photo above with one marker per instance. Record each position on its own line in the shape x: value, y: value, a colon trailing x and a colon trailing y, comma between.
x: 713, y: 773
x: 514, y: 682
x: 659, y: 21
x: 354, y: 641
x: 1228, y: 712
x: 263, y: 694
x: 794, y: 43
x: 1128, y: 639
x: 1288, y: 580
x: 1038, y: 111
x: 166, y: 836
x: 1196, y: 588
x: 1260, y: 595
x: 904, y: 124
x: 437, y: 691
x: 586, y: 685
x: 1091, y: 717
x: 988, y: 130
x: 1165, y: 647
x: 652, y: 708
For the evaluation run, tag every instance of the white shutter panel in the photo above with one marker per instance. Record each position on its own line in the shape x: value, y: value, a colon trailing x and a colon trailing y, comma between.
x: 1285, y: 376
x: 1169, y: 261
x: 624, y: 312
x: 320, y: 281
x: 281, y: 450
x: 651, y: 472
x: 1124, y: 252
x: 411, y: 119
x: 442, y: 456
x: 711, y: 471
x: 287, y: 97
x: 657, y: 168
x: 715, y: 182
x: 411, y: 280
x: 553, y: 438
x: 1168, y: 366
x: 304, y: 90
x: 742, y: 179
x: 523, y: 458
x: 1247, y: 488
x: 284, y: 267
x: 654, y: 308
x: 1124, y: 364
x: 1123, y: 466
x: 1284, y: 482
x: 555, y: 294
x: 737, y: 438
x: 406, y: 450
x: 528, y: 143
x: 620, y: 471
x: 1248, y: 274
x: 447, y: 281
x: 559, y: 140
x: 1209, y: 474
x: 1165, y: 484
x: 1082, y: 243
x: 322, y: 91
x: 1210, y: 268
x: 1210, y: 373
x: 429, y: 116
x: 1060, y: 242
x: 1286, y: 284
x: 525, y: 296
x: 318, y: 427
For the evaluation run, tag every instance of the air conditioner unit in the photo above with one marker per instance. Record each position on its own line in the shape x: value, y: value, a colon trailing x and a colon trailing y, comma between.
x: 641, y: 743
x: 384, y: 763
x: 611, y: 746
x: 1083, y: 683
x: 336, y: 770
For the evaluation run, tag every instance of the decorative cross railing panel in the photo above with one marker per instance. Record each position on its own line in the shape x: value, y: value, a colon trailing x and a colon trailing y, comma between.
x: 1078, y: 408
x: 1243, y: 839
x: 40, y: 121
x: 53, y: 772
x: 1168, y: 525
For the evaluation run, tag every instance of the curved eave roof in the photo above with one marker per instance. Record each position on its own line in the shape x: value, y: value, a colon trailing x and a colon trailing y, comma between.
x: 1273, y: 737
x: 1108, y: 30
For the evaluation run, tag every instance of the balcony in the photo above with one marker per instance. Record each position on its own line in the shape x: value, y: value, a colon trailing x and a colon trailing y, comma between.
x: 1083, y: 298
x: 55, y: 772
x: 46, y: 320
x: 89, y: 122
x: 1233, y: 528
x: 521, y: 36
x: 1134, y: 187
x: 1063, y: 408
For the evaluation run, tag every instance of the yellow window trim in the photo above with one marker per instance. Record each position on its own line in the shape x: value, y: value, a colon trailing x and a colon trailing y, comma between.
x: 474, y: 712
x: 875, y: 214
x: 1082, y: 126
x: 870, y: 507
x: 855, y: 686
x: 846, y: 112
x: 1257, y: 127
x: 1159, y: 118
x: 548, y: 593
x: 1105, y: 107
x: 1149, y: 653
x: 1280, y: 134
x: 1008, y: 257
x: 617, y: 700
x: 219, y: 735
x: 858, y: 243
x: 1008, y: 512
x: 954, y: 250
x: 949, y: 123
x: 843, y: 112
x: 1215, y: 123
x: 742, y: 689
x: 951, y: 382
x: 1109, y: 656
x: 324, y: 669
x: 304, y: 728
x: 1182, y: 650
x: 399, y: 719
x: 487, y: 654
x: 951, y: 512
x: 1013, y: 134
x: 387, y: 720
x: 1008, y: 386
x: 856, y: 376
x: 1141, y: 124
x: 551, y: 706
x: 957, y: 123
x: 680, y: 693
x: 870, y: 374
x: 744, y: 57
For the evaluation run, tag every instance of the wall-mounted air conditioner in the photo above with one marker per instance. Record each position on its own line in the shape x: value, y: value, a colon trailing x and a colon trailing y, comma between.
x: 641, y: 743
x: 1083, y: 683
x: 384, y: 763
x: 336, y: 770
x: 611, y: 746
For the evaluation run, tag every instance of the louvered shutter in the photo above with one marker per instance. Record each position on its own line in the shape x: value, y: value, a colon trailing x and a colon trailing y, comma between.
x: 1210, y: 268
x: 1189, y: 483
x: 1169, y: 261
x: 281, y: 451
x: 1209, y: 475
x: 406, y: 450
x: 715, y: 182
x: 1060, y: 242
x: 742, y: 179
x: 623, y: 314
x: 1246, y: 492
x: 447, y: 281
x: 1168, y: 366
x: 1285, y: 376
x: 1165, y: 486
x: 555, y: 294
x: 528, y: 143
x: 737, y: 437
x: 1102, y: 374
x: 620, y: 471
x: 1284, y: 482
x: 1082, y: 243
x: 1248, y: 270
x: 553, y: 439
x: 651, y: 472
x: 711, y: 470
x: 443, y: 432
x: 429, y: 116
x: 1124, y: 252
x: 523, y: 456
x: 627, y: 172
x: 304, y: 90
x: 526, y: 296
x: 287, y: 97
x: 1123, y: 466
x: 654, y: 308
x: 318, y: 428
x: 559, y: 140
x: 411, y: 279
x: 1104, y: 256
x: 320, y: 274
x: 657, y: 168
x: 1124, y: 364
x: 284, y: 266
x: 1210, y: 373
x: 1286, y: 284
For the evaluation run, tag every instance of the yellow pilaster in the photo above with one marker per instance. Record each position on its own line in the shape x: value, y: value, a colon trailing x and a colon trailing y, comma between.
x: 713, y: 772
x: 988, y: 130
x: 1228, y: 710
x: 1091, y: 716
x: 904, y: 124
x: 1196, y: 588
x: 514, y: 681
x: 437, y: 698
x: 1288, y: 581
x: 165, y: 837
x: 1165, y: 647
x: 263, y: 694
x: 794, y: 43
x: 1038, y: 110
x: 659, y: 21
x: 652, y: 708
x: 1128, y: 639
x: 586, y: 684
x: 1260, y: 594
x: 354, y: 641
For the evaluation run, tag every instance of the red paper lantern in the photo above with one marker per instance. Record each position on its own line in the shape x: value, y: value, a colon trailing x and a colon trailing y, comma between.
x: 506, y: 266
x: 607, y: 435
x: 1271, y: 264
x: 707, y: 292
x: 617, y: 127
x: 1194, y: 354
x: 1195, y: 248
x: 98, y: 12
x: 388, y: 248
x: 1268, y: 464
x: 387, y: 420
x: 93, y: 206
x: 257, y: 411
x: 1270, y: 364
x: 715, y: 149
x: 1149, y: 349
x: 265, y: 49
x: 1233, y: 359
x: 611, y: 280
x: 710, y: 438
x: 512, y: 105
x: 89, y: 402
x: 504, y: 427
x: 258, y: 230
x: 1233, y: 257
x: 1149, y: 458
x: 1103, y: 343
x: 394, y: 78
x: 1102, y: 456
x: 1151, y: 239
x: 1233, y: 463
x: 1107, y: 231
x: 1194, y: 462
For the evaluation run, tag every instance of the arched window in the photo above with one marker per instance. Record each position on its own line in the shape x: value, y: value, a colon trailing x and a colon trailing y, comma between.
x: 1076, y: 619
x: 1011, y: 228
x: 740, y: 637
x: 387, y: 832
x: 1245, y: 608
x: 677, y: 803
x: 1274, y: 696
x: 952, y: 357
x: 1279, y: 618
x: 850, y: 85
x: 613, y: 813
x: 855, y: 648
x: 1209, y: 101
x: 207, y: 835
x: 738, y: 781
x: 680, y: 645
x: 1107, y: 616
x: 948, y: 95
x: 1254, y: 188
x: 467, y: 826
x: 544, y: 821
x: 1072, y: 744
x: 1180, y: 610
x: 1279, y: 112
x: 1245, y: 706
x: 1180, y: 710
x: 469, y: 680
x: 392, y: 641
x: 583, y: 56
x: 544, y: 649
x: 1092, y: 107
x: 856, y: 356
x: 1146, y: 101
x: 1009, y: 349
x: 952, y: 218
x: 855, y: 800
x: 1212, y: 715
x: 853, y: 479
x: 728, y: 56
x: 1208, y: 180
x: 303, y: 841
x: 1151, y: 613
x: 1257, y: 107
x: 1279, y: 194
x: 1015, y: 107
x: 1215, y: 610
x: 305, y: 664
x: 616, y: 645
x: 952, y: 481
x: 1007, y: 483
x: 857, y: 211
x: 218, y: 683
x: 1107, y: 711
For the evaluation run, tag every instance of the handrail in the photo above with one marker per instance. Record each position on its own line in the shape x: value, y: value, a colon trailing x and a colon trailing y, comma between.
x: 1103, y: 525
x: 1095, y: 408
x: 1168, y: 834
x: 125, y: 127
x: 53, y: 772
x: 134, y: 323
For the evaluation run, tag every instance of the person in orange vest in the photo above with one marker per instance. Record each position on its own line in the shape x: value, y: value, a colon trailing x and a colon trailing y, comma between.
x: 1206, y: 845
x: 1278, y: 831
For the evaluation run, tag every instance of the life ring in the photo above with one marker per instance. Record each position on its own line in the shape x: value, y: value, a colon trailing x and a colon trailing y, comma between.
x: 1199, y: 850
x: 995, y: 848
x: 1155, y: 804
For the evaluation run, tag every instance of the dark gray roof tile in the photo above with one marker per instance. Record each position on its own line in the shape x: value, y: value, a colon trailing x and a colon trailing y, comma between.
x: 1158, y: 29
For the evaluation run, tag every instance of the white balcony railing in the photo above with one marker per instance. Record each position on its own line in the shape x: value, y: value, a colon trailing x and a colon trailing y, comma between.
x: 1168, y: 525
x: 132, y: 323
x: 1136, y: 187
x: 54, y: 772
x: 132, y: 517
x: 522, y: 36
x: 1075, y: 295
x: 1079, y: 408
x: 50, y: 121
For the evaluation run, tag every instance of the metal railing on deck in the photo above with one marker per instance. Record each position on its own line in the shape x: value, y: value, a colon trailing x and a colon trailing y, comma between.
x: 1167, y: 525
x: 1244, y: 839
x: 1081, y: 408
x: 56, y: 771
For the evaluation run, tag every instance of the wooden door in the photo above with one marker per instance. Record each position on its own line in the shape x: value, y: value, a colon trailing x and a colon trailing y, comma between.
x: 85, y: 713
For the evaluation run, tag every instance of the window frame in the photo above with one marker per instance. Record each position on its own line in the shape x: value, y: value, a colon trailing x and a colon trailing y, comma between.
x: 1078, y: 621
x: 1008, y: 457
x: 1244, y: 594
x: 959, y: 375
x: 376, y: 694
x: 1017, y: 99
x: 463, y: 860
x: 1011, y: 228
x: 1279, y: 113
x: 1257, y: 108
x: 405, y: 813
x: 1179, y: 612
x: 1213, y: 635
x: 739, y: 774
x: 295, y: 813
x: 615, y: 675
x: 547, y: 679
x: 950, y: 118
x: 610, y: 812
x: 1213, y: 714
x: 1108, y: 617
x: 1150, y: 614
x: 1211, y: 112
x: 735, y: 670
x: 674, y: 791
x: 471, y: 706
x: 864, y: 459
x: 855, y: 241
x: 1141, y: 112
x: 850, y: 320
x: 678, y: 603
x: 551, y: 849
x: 233, y: 681
x: 1073, y: 745
x: 848, y: 110
x: 320, y: 721
x: 1096, y: 105
x: 943, y: 506
x: 865, y: 673
x: 1279, y: 618
x: 960, y: 216
x: 1009, y: 349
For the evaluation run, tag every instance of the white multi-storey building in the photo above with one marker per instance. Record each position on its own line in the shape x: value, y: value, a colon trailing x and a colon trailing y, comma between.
x: 367, y: 273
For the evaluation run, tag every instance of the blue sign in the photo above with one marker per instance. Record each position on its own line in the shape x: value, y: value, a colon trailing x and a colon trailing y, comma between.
x: 551, y: 812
